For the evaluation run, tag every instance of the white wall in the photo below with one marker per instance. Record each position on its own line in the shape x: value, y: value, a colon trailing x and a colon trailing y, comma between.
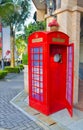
x: 6, y: 41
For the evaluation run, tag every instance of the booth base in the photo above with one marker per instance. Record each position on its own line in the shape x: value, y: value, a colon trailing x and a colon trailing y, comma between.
x: 46, y: 109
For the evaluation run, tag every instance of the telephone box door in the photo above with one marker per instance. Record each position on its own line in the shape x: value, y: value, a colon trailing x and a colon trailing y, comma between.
x: 58, y: 56
x: 69, y: 81
x: 61, y: 77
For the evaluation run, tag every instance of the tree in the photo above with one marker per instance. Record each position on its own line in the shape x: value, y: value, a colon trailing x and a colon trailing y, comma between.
x: 20, y: 44
x: 32, y: 27
x: 22, y: 39
x: 13, y: 13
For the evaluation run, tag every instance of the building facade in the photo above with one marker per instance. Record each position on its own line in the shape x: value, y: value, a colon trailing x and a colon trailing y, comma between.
x: 69, y: 14
x: 4, y: 43
x: 0, y: 41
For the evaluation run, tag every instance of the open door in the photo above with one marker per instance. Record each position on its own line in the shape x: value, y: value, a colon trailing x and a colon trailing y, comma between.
x: 70, y: 78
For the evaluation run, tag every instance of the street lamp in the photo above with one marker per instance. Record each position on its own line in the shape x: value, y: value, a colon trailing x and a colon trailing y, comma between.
x: 50, y: 6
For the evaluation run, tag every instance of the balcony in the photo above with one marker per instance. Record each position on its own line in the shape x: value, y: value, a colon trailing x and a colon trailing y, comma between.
x: 39, y: 4
x: 42, y: 4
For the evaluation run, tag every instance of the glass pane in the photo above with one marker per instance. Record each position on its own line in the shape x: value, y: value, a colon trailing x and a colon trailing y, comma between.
x: 70, y: 72
x: 70, y: 78
x: 33, y: 89
x: 41, y: 71
x: 70, y: 65
x: 41, y: 78
x: 41, y: 50
x: 33, y: 94
x: 36, y: 77
x: 35, y: 63
x: 41, y: 57
x: 40, y: 63
x: 70, y: 50
x: 37, y: 90
x: 41, y: 90
x: 36, y: 70
x: 41, y: 98
x: 33, y: 83
x: 36, y: 50
x: 36, y: 56
x: 70, y: 57
x: 37, y: 96
x: 36, y: 83
x: 41, y: 85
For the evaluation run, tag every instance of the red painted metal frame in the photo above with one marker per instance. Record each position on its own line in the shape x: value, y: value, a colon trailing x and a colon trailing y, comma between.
x: 31, y: 99
x: 46, y: 40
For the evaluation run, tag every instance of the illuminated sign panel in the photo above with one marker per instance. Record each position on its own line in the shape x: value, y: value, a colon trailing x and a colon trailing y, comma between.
x: 37, y: 40
x: 58, y: 40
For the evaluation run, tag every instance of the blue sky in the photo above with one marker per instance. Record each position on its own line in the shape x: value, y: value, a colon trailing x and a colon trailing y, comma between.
x: 30, y: 19
x: 33, y: 9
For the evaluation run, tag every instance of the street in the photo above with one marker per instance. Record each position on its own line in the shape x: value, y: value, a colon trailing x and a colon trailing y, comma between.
x: 10, y: 117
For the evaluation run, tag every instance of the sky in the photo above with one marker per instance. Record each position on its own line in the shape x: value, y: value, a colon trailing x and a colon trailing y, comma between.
x: 30, y: 19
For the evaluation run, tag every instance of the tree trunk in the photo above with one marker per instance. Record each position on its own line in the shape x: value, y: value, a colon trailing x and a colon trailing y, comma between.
x: 12, y: 46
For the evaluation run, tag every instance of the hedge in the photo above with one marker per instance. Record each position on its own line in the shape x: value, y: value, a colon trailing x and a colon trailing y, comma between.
x: 21, y: 66
x: 12, y: 69
x: 25, y: 59
x: 3, y: 73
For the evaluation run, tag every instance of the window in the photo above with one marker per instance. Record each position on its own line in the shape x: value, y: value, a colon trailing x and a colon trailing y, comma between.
x: 58, y: 4
x: 69, y: 79
x: 37, y: 73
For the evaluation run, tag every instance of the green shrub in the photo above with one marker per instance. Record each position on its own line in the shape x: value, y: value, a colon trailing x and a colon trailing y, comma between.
x: 12, y: 69
x: 25, y: 59
x: 21, y: 66
x: 3, y: 73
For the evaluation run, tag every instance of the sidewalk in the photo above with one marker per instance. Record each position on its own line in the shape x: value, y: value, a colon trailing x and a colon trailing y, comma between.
x: 10, y: 117
x: 58, y: 121
x: 12, y: 88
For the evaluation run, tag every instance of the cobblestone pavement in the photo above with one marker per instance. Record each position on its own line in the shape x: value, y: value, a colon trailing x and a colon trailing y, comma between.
x: 10, y: 117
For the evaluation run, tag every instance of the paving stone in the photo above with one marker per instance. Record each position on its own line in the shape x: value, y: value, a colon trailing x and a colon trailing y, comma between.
x: 10, y: 117
x: 3, y: 129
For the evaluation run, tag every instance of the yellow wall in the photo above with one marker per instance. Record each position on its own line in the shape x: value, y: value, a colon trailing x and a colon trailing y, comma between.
x: 68, y: 17
x: 40, y: 15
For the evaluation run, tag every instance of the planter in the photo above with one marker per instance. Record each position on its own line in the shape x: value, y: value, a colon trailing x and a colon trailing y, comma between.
x: 26, y: 86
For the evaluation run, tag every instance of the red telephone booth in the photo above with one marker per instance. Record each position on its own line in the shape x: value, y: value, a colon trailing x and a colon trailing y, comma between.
x: 50, y: 60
